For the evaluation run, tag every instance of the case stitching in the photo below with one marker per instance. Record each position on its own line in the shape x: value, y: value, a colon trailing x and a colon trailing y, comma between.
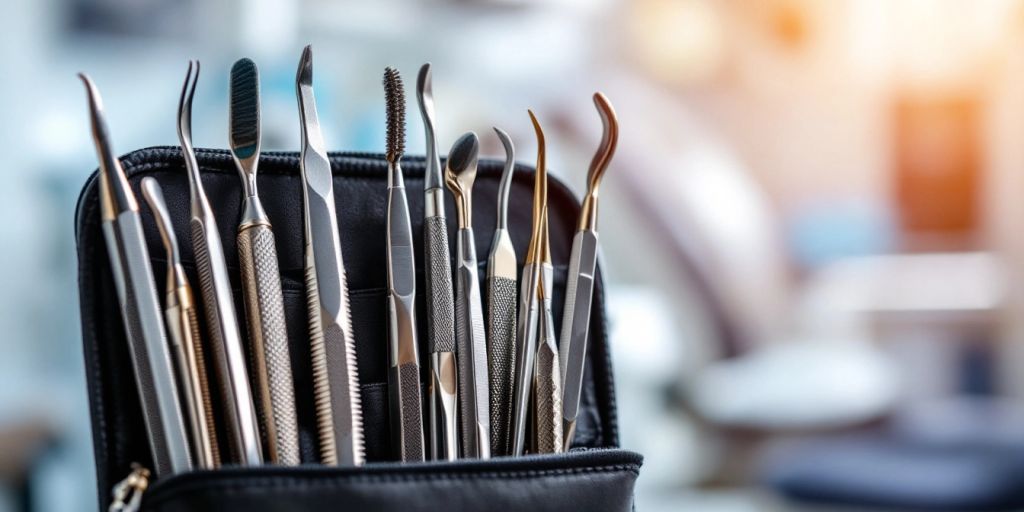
x: 241, y: 483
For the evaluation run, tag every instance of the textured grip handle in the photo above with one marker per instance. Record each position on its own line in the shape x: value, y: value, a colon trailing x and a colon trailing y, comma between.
x: 271, y: 369
x: 548, y: 390
x: 407, y: 421
x: 204, y: 385
x: 471, y: 354
x: 440, y: 303
x: 229, y: 354
x: 501, y: 334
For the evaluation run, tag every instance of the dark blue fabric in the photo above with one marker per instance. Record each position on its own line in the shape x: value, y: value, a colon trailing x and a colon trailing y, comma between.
x: 884, y: 470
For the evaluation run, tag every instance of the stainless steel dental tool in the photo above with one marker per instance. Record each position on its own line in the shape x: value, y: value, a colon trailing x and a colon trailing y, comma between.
x: 501, y: 310
x: 526, y: 327
x: 444, y: 437
x: 184, y: 333
x: 403, y: 356
x: 474, y: 417
x: 218, y: 301
x: 579, y: 290
x: 140, y: 309
x: 335, y: 378
x: 270, y: 369
x: 547, y: 387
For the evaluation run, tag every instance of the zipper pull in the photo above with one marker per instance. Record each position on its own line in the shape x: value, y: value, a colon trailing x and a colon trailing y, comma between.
x: 128, y: 492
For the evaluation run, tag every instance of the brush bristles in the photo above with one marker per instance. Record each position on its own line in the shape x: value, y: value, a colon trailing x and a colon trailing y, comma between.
x: 245, y: 108
x: 394, y: 94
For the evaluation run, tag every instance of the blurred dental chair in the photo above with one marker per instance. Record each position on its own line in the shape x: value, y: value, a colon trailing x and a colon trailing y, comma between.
x: 805, y: 366
x: 775, y: 372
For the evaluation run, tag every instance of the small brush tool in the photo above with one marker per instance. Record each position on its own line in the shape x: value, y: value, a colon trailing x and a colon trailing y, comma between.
x: 403, y: 357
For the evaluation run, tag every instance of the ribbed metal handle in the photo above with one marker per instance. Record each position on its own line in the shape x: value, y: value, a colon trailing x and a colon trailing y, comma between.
x: 192, y: 318
x: 548, y: 389
x: 440, y: 303
x: 271, y: 369
x: 501, y: 336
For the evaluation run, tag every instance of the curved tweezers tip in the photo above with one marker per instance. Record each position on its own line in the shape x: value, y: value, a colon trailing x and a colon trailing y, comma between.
x: 510, y: 153
x: 609, y: 139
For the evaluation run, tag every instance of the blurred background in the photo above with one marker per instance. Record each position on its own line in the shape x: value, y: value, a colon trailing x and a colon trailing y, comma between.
x: 810, y: 230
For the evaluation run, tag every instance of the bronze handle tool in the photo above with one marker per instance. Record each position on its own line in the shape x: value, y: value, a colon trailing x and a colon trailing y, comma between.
x: 474, y: 417
x: 403, y: 356
x: 444, y: 436
x: 582, y: 266
x: 335, y: 375
x: 527, y: 326
x: 183, y: 328
x: 501, y: 310
x: 140, y: 308
x: 271, y: 367
x: 218, y: 300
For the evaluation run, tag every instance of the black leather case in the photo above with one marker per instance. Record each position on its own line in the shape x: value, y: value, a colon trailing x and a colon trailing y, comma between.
x: 593, y: 475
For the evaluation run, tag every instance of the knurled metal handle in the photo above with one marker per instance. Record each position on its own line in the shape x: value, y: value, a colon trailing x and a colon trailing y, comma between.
x: 548, y: 390
x: 440, y: 303
x: 271, y: 369
x: 408, y: 440
x: 501, y: 336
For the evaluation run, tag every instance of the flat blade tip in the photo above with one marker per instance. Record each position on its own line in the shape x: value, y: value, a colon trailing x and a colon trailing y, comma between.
x: 305, y: 74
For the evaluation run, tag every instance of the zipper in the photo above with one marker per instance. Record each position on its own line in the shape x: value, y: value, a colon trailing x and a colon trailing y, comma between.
x: 128, y: 492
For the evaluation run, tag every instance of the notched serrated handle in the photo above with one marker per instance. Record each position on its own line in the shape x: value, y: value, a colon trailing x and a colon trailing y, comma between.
x: 271, y: 369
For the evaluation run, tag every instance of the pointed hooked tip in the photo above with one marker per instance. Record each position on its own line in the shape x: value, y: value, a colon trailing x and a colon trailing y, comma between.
x: 96, y: 121
x: 305, y: 73
x: 464, y: 153
x: 93, y: 94
x: 540, y: 143
x: 506, y: 141
x: 609, y: 139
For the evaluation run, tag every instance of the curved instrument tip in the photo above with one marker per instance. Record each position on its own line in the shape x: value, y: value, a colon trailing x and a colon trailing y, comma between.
x: 541, y: 150
x: 93, y: 94
x: 609, y: 139
x: 506, y: 141
x: 188, y: 91
x: 423, y: 82
x: 506, y: 176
